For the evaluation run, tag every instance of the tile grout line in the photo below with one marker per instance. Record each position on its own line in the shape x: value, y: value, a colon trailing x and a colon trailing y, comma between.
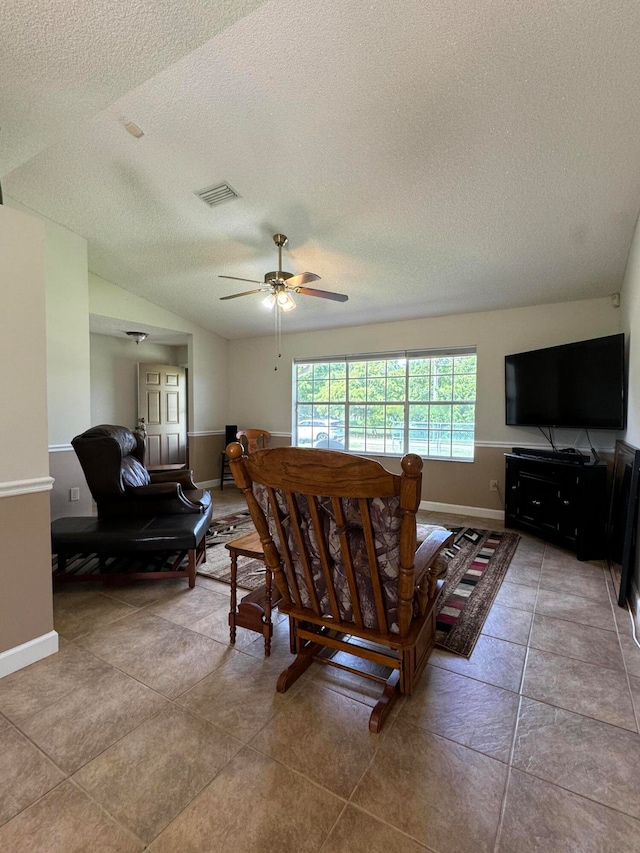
x: 512, y: 748
x: 390, y: 725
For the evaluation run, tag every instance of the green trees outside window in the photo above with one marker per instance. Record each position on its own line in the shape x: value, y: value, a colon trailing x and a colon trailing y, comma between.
x: 422, y: 403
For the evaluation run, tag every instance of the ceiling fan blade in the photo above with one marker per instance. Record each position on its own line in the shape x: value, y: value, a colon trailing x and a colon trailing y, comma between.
x: 323, y: 294
x: 235, y: 278
x: 246, y: 293
x: 303, y: 278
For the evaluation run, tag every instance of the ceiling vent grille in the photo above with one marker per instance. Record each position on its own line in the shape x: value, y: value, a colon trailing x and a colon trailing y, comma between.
x: 218, y: 194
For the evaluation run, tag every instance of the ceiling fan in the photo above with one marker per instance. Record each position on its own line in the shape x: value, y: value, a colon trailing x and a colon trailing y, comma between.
x: 279, y: 285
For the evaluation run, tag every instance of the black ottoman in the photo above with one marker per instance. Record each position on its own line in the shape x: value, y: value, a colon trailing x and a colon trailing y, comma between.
x: 184, y: 534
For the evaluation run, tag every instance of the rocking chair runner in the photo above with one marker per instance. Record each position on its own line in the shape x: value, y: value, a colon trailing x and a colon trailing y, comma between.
x: 339, y: 534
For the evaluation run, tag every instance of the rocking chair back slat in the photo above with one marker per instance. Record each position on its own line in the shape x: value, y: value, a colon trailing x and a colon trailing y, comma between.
x: 342, y: 531
x: 286, y: 559
x: 373, y: 563
x: 323, y: 553
x: 297, y: 527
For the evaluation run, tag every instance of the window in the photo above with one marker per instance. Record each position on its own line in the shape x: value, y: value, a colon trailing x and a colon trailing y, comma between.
x: 388, y: 403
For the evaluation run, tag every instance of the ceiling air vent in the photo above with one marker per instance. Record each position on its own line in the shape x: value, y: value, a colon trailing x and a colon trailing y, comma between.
x: 217, y: 194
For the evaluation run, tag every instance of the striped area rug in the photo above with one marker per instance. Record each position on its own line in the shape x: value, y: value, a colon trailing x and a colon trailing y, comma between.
x: 478, y: 561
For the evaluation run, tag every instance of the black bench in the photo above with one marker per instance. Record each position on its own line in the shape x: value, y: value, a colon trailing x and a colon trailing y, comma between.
x: 131, y: 537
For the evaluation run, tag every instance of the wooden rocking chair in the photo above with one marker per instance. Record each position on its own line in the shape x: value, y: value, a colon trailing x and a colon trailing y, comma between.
x: 339, y: 535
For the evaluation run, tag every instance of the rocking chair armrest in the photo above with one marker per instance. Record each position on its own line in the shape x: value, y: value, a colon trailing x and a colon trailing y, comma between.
x: 429, y: 550
x: 184, y: 478
x: 430, y: 566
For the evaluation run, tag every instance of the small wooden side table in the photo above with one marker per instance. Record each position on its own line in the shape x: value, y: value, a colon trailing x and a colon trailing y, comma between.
x: 254, y: 610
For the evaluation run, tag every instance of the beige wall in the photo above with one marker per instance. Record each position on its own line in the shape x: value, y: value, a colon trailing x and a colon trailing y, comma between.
x: 23, y: 382
x: 25, y: 566
x: 67, y: 301
x: 26, y: 604
x: 264, y: 397
x: 67, y: 304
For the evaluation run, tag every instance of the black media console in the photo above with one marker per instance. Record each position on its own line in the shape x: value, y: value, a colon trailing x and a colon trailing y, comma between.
x: 561, y: 499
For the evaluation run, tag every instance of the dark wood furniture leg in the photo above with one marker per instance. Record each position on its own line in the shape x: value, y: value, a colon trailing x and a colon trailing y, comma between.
x: 254, y: 610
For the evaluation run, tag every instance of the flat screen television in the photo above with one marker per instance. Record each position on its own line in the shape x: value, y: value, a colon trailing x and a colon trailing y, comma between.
x: 574, y: 385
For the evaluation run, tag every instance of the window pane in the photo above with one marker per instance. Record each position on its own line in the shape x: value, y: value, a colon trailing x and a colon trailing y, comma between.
x: 357, y: 369
x: 356, y: 439
x: 442, y: 387
x: 395, y: 389
x: 397, y: 367
x: 357, y: 416
x: 439, y: 416
x: 439, y: 442
x: 375, y: 416
x: 321, y: 389
x: 376, y: 368
x: 305, y: 391
x: 338, y: 370
x: 358, y: 389
x: 464, y: 364
x: 464, y: 416
x: 419, y: 388
x: 442, y: 365
x: 320, y: 413
x: 418, y: 415
x: 376, y: 389
x: 338, y: 390
x: 420, y: 367
x: 464, y: 387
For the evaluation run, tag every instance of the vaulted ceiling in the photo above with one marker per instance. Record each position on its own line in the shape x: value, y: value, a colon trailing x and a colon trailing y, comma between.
x: 426, y: 158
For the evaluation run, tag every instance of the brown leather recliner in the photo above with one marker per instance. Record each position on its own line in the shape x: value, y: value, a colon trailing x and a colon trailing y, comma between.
x: 112, y: 458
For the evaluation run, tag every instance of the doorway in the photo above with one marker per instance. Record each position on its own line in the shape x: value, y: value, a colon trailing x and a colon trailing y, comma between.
x: 162, y: 413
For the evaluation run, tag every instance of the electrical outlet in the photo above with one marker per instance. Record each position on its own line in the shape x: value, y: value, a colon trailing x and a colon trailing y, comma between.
x: 493, y: 485
x: 74, y: 494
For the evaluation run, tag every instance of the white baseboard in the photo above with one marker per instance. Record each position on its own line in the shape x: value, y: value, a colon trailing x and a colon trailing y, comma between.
x: 28, y: 653
x: 455, y: 509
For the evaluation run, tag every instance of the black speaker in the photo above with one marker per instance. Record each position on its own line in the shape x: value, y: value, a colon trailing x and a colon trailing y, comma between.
x: 230, y: 433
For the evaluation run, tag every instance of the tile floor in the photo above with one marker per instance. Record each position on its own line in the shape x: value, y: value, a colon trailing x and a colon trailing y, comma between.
x: 148, y: 731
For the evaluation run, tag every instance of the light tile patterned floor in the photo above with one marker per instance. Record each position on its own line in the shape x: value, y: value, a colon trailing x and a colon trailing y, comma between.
x: 148, y: 731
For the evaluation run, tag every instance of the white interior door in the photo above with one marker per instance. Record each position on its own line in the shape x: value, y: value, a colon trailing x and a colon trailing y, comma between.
x: 163, y: 405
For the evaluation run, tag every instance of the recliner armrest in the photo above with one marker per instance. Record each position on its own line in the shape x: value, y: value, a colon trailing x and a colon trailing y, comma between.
x: 184, y: 478
x: 157, y: 491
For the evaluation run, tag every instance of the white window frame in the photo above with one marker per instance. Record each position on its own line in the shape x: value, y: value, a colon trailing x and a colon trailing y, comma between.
x: 431, y: 447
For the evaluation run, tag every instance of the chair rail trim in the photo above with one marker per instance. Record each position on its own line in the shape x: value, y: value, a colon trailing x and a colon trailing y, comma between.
x: 25, y: 487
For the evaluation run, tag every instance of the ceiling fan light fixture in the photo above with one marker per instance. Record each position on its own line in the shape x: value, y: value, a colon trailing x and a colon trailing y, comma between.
x: 138, y: 337
x: 285, y: 301
x: 269, y: 301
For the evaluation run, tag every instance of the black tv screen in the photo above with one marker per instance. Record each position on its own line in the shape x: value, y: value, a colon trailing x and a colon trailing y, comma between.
x: 573, y: 385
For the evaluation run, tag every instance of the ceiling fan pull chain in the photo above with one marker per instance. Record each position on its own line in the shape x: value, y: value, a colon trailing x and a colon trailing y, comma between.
x: 278, y: 333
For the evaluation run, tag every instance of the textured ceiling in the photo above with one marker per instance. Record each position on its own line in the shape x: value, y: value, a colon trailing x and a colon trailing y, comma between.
x: 425, y: 158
